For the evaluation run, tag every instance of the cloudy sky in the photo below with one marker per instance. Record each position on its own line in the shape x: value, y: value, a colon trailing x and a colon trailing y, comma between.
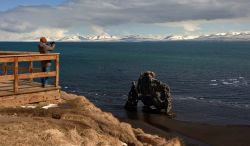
x: 57, y: 18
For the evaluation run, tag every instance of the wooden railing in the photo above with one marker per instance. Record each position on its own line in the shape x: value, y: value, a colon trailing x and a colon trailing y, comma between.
x: 15, y: 58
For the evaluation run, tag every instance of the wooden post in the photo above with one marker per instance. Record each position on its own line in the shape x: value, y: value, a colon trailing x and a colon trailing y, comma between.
x: 15, y: 74
x: 57, y: 71
x: 5, y: 70
x: 31, y: 69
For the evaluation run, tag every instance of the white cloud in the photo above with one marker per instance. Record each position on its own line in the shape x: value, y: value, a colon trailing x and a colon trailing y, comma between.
x: 13, y: 25
x: 97, y: 29
x: 98, y: 14
x: 50, y: 33
x: 187, y: 26
x: 191, y: 27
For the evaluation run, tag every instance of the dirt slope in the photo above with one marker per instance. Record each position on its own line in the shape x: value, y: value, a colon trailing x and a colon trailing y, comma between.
x: 75, y: 122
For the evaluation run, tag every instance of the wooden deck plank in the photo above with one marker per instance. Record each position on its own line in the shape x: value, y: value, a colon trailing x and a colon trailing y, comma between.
x: 16, y: 82
x: 6, y: 88
x: 22, y: 87
x: 28, y: 98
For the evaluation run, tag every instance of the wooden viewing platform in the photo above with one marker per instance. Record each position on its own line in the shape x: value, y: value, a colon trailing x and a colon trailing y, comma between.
x: 17, y: 72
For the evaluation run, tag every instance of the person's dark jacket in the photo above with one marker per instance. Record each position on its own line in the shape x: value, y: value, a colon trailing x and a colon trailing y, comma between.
x: 44, y: 49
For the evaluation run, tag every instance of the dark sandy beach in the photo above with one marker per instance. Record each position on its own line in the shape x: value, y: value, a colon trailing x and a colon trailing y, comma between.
x: 192, y: 133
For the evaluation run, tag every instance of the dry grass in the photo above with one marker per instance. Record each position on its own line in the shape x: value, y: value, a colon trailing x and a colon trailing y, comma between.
x: 76, y: 122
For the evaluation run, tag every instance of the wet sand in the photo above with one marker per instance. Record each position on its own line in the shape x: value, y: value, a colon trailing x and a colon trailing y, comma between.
x: 193, y: 133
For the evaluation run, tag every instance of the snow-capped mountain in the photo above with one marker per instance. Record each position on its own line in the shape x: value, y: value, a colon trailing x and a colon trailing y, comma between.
x: 138, y: 38
x: 180, y: 37
x: 229, y: 36
x: 79, y: 38
x: 72, y: 38
x: 103, y: 37
x: 232, y: 36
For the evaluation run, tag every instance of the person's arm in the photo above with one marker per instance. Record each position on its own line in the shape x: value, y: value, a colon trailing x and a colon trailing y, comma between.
x: 47, y: 47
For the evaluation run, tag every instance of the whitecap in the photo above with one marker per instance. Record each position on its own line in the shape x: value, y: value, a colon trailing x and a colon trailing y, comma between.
x: 215, y: 101
x: 66, y: 87
x: 191, y: 98
x: 235, y: 82
x: 232, y: 79
x: 227, y: 83
x: 213, y: 84
x: 213, y: 80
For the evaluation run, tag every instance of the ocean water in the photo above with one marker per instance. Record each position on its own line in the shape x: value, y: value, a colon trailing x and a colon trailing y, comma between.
x: 210, y: 81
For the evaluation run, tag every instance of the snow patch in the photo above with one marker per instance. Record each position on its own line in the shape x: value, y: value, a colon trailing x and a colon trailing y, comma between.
x: 50, y: 106
x: 224, y: 36
x: 29, y: 106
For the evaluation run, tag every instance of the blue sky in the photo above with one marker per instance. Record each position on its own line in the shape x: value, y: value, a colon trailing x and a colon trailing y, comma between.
x: 57, y: 18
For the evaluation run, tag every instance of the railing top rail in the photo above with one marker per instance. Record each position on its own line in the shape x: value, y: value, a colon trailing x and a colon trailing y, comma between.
x: 7, y: 53
x: 16, y: 52
x: 27, y: 55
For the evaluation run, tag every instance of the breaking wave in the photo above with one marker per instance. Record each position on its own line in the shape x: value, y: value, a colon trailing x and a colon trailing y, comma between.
x: 239, y: 81
x: 217, y: 102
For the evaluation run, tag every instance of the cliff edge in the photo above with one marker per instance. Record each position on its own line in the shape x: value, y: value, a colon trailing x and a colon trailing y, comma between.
x: 74, y: 121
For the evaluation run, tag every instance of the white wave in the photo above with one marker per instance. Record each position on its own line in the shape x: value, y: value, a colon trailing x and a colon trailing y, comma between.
x: 215, y: 84
x: 229, y: 104
x: 187, y: 98
x: 232, y: 79
x: 215, y: 102
x: 227, y: 83
x: 239, y: 81
x: 235, y: 82
x: 213, y: 80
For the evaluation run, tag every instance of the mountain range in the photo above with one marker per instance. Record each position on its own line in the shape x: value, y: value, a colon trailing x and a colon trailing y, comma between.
x: 229, y: 36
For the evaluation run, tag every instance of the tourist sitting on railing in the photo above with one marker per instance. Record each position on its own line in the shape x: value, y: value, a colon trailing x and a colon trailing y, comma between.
x: 44, y: 48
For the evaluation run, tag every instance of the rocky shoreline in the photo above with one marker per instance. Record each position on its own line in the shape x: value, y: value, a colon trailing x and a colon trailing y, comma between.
x: 75, y: 121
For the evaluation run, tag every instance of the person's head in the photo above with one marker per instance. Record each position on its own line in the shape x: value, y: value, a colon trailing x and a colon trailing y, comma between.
x: 43, y: 40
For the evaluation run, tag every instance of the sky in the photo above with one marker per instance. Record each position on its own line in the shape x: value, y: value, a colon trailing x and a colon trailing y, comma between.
x: 58, y: 18
x: 10, y: 4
